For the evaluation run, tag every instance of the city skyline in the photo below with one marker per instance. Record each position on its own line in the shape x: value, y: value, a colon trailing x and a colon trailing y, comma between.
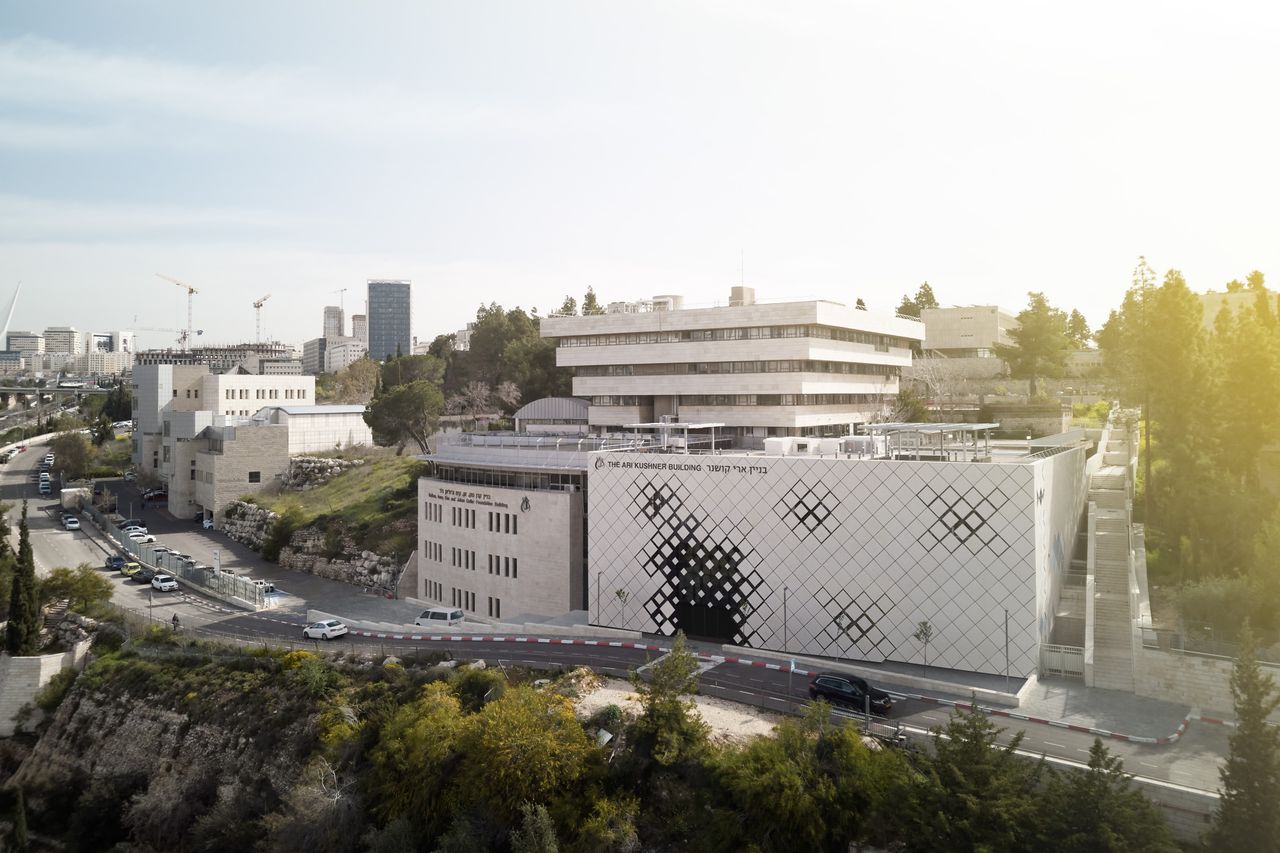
x: 833, y: 152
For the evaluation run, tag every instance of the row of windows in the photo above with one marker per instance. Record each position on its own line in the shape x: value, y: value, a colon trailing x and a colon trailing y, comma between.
x: 461, y: 558
x: 525, y: 480
x: 189, y: 395
x: 462, y: 598
x: 462, y: 517
x: 435, y: 590
x: 260, y: 393
x: 507, y: 567
x: 745, y: 333
x: 706, y: 367
x: 433, y: 512
x: 776, y: 399
x: 433, y: 550
x: 504, y: 522
x: 495, y: 608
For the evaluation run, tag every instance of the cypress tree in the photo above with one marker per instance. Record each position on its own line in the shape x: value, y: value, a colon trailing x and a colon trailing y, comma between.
x: 23, y: 634
x: 1248, y: 818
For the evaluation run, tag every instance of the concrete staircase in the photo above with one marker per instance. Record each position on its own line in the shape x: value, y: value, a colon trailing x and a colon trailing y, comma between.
x: 1112, y: 575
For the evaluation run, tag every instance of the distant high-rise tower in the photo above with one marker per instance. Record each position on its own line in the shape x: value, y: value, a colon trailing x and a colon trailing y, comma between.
x: 334, y: 324
x: 390, y: 318
x: 360, y: 328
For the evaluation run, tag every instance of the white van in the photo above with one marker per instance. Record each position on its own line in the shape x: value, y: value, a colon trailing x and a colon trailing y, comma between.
x: 439, y: 617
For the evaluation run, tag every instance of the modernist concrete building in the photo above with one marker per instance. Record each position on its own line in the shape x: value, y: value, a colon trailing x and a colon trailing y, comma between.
x: 341, y: 353
x: 317, y: 429
x: 313, y: 353
x: 63, y: 339
x: 826, y: 547
x: 26, y: 343
x: 161, y: 389
x: 390, y: 315
x: 971, y: 331
x: 759, y: 370
x: 360, y: 328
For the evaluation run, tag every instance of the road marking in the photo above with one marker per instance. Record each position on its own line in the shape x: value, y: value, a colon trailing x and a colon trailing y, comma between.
x: 1085, y: 751
x: 1149, y: 764
x: 1058, y: 745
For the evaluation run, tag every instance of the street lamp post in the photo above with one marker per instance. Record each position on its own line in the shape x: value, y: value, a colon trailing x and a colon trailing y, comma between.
x: 1006, y: 650
x: 599, y: 582
x: 791, y: 668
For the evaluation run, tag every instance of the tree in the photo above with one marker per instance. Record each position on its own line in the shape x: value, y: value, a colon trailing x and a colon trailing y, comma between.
x: 354, y: 385
x: 18, y: 839
x: 406, y: 413
x: 1078, y: 329
x: 418, y: 745
x: 1099, y: 810
x: 668, y: 728
x: 569, y: 307
x: 860, y: 305
x: 1247, y: 818
x: 975, y: 794
x: 1040, y: 345
x: 925, y: 298
x: 536, y: 833
x: 589, y: 303
x: 103, y: 431
x: 610, y: 827
x: 413, y: 368
x: 924, y: 634
x: 73, y: 454
x: 83, y: 586
x: 525, y: 747
x: 22, y: 636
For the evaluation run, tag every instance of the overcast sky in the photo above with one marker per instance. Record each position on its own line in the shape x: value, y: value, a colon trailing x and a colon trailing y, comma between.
x: 516, y: 152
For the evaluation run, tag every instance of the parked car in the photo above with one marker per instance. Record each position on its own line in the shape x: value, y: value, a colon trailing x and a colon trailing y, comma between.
x: 45, y: 488
x: 130, y: 569
x: 164, y: 583
x: 71, y: 523
x: 129, y: 522
x: 145, y: 574
x: 326, y: 630
x: 142, y: 538
x: 207, y: 524
x: 114, y: 562
x: 161, y: 550
x: 265, y: 586
x: 130, y: 476
x: 439, y: 617
x: 133, y: 528
x: 22, y: 448
x: 849, y: 691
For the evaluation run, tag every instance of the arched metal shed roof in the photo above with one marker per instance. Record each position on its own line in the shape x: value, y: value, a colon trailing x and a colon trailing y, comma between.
x: 554, y: 409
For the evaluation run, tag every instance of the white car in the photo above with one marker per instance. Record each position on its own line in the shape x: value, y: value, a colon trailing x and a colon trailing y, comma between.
x: 71, y: 523
x: 207, y: 524
x: 326, y: 630
x: 142, y: 538
x: 164, y: 583
x: 132, y: 529
x: 130, y: 476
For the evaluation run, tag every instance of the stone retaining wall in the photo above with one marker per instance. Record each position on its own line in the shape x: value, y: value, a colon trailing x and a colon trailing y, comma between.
x: 22, y: 677
x: 308, y: 472
x: 246, y: 523
x: 1201, y: 681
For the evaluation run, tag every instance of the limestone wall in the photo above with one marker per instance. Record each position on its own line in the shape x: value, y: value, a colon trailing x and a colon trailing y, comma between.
x: 247, y: 523
x: 1201, y: 681
x: 22, y: 677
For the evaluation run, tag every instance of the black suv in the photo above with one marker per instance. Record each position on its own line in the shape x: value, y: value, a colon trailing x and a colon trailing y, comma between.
x: 849, y: 691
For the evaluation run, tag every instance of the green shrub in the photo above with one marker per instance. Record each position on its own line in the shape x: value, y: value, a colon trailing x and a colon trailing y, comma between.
x: 281, y: 532
x: 51, y: 695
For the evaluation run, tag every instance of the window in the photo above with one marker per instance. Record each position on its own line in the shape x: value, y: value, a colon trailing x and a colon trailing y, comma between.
x: 166, y: 453
x: 231, y: 395
x: 188, y: 393
x: 196, y: 393
x: 255, y: 476
x: 193, y: 473
x: 515, y: 569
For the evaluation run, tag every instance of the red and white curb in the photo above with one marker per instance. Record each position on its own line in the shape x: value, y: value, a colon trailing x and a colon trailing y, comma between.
x: 780, y: 667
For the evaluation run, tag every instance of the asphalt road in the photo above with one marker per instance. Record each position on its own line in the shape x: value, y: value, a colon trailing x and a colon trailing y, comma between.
x: 1192, y: 761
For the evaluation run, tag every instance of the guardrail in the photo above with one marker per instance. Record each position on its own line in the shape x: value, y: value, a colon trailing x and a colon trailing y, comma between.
x: 1205, y: 646
x: 222, y: 585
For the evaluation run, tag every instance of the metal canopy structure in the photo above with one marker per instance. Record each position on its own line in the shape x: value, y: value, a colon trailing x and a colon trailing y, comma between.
x: 952, y: 442
x: 681, y: 442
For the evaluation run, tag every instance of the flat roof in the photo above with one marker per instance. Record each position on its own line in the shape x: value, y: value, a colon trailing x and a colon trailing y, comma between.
x: 928, y: 428
x: 328, y: 409
x: 676, y: 425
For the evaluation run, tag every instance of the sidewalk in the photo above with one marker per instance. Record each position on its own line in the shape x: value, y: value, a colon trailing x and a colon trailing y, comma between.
x: 1110, y: 710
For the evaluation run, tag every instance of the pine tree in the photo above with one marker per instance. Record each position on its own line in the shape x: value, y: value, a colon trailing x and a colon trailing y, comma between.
x: 1040, y: 343
x: 1248, y: 816
x: 860, y: 305
x: 590, y: 305
x: 18, y: 839
x: 22, y: 636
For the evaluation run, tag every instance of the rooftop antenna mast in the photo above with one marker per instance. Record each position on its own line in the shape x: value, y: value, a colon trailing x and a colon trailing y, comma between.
x: 257, y: 307
x: 191, y: 291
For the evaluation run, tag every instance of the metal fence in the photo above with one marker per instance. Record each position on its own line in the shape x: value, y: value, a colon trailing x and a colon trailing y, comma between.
x: 1202, y: 643
x: 221, y: 584
x: 1061, y: 660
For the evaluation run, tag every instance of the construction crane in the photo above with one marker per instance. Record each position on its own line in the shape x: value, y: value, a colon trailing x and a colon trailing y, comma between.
x: 257, y: 307
x: 191, y: 291
x: 340, y: 291
x: 183, y: 335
